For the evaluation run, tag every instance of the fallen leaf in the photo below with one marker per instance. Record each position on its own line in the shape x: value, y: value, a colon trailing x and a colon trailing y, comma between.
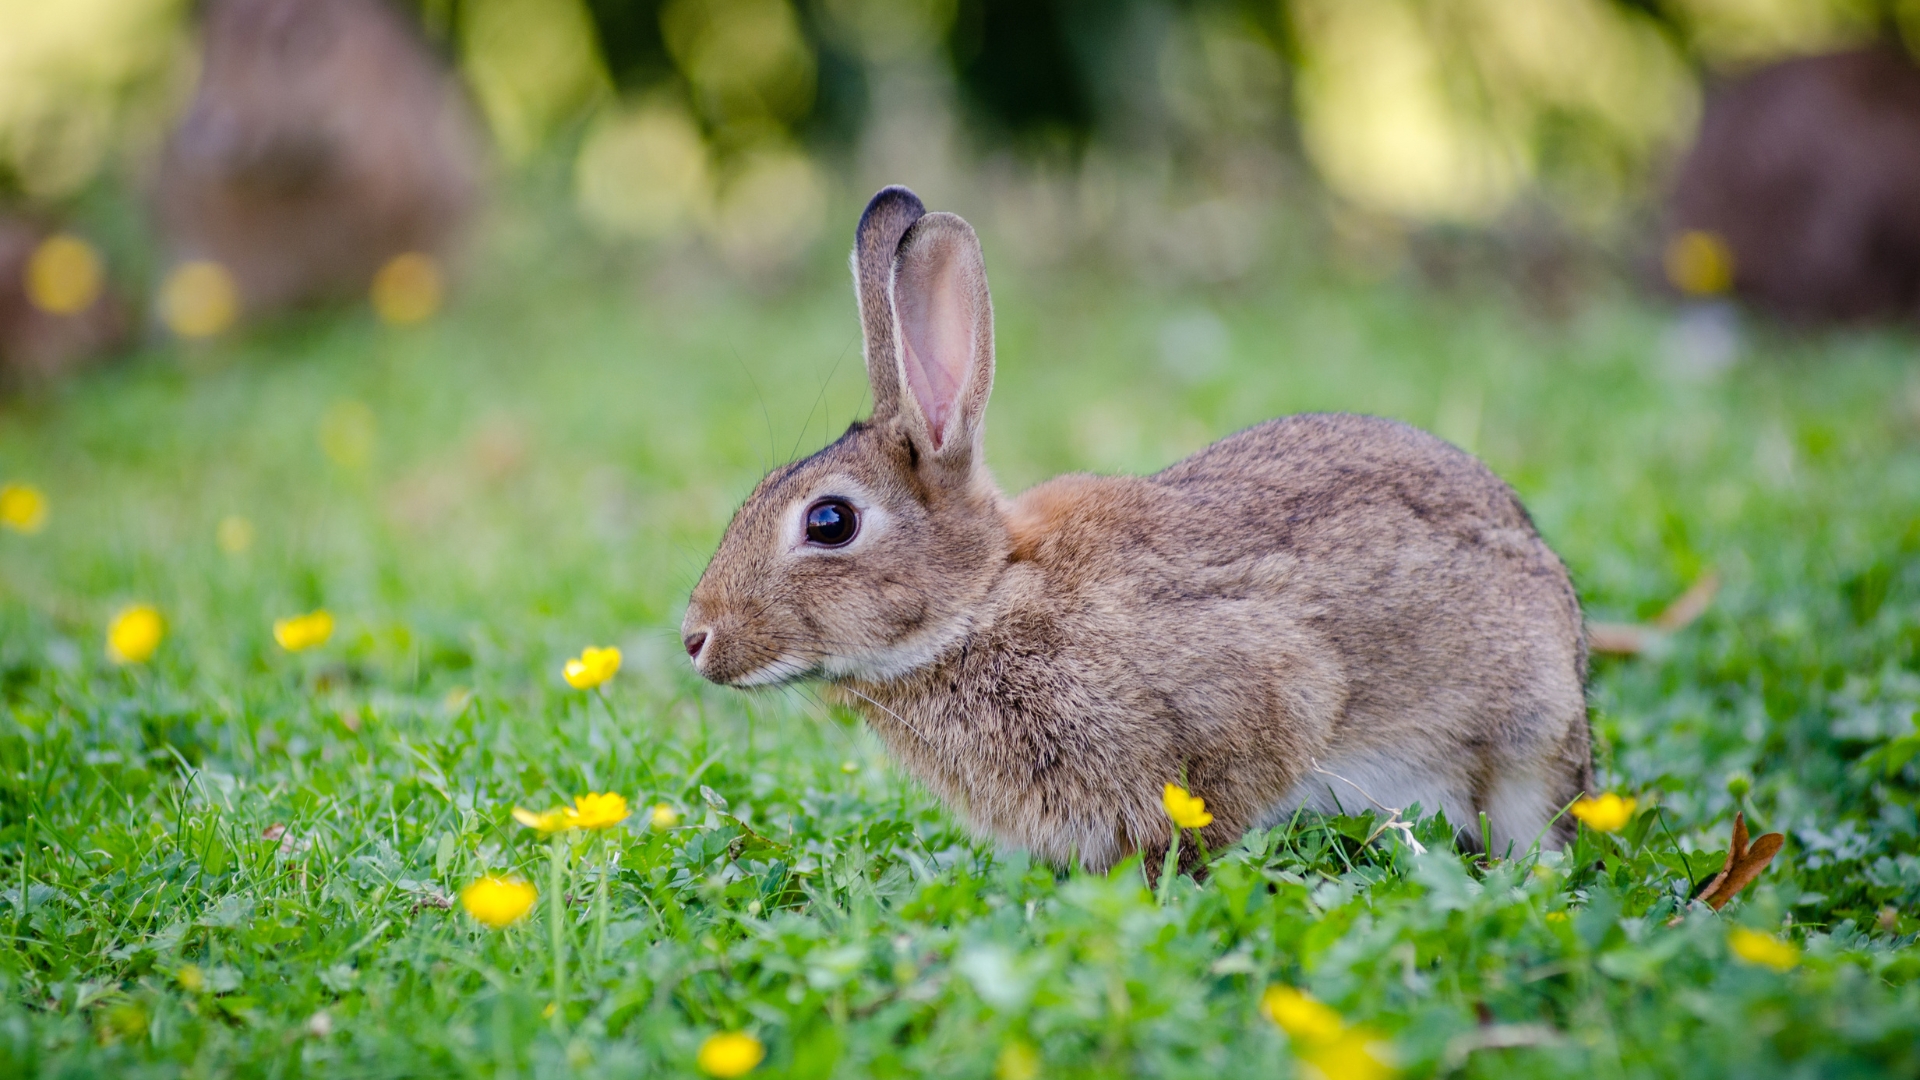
x: 1743, y: 864
x: 1617, y: 639
x: 1632, y: 639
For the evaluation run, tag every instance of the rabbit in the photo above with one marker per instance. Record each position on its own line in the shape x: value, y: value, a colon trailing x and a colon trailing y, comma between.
x: 324, y: 138
x: 1330, y: 611
x: 1805, y: 170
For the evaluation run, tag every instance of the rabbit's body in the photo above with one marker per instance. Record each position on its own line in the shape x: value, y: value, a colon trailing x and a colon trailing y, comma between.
x: 1329, y: 610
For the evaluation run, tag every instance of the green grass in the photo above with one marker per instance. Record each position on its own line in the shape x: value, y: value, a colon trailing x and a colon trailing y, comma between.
x: 234, y: 861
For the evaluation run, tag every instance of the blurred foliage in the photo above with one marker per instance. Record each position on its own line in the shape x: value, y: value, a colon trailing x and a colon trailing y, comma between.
x: 678, y: 118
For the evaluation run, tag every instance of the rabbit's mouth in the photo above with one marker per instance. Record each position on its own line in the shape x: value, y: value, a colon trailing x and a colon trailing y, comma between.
x: 777, y: 672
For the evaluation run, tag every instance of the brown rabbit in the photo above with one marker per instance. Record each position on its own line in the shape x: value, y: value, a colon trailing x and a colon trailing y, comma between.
x: 1327, y: 610
x: 1808, y: 170
x: 324, y: 139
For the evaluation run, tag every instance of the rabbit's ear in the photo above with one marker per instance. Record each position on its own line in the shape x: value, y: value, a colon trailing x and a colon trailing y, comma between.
x: 874, y: 243
x: 944, y: 323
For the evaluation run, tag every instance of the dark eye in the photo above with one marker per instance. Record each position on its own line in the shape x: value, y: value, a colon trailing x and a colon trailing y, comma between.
x: 832, y: 522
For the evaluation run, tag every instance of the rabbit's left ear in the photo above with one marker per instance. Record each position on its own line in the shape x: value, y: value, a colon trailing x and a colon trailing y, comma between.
x: 875, y: 242
x: 943, y: 321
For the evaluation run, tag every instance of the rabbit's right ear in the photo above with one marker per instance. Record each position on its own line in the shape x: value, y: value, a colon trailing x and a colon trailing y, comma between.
x: 943, y: 320
x: 874, y: 242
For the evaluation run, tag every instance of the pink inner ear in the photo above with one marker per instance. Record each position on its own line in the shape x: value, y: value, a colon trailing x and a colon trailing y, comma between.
x: 937, y: 329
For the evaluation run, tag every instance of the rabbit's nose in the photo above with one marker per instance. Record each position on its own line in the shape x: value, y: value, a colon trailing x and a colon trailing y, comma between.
x: 695, y: 642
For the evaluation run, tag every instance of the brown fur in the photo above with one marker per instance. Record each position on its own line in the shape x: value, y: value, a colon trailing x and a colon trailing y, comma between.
x: 1807, y: 170
x: 324, y: 139
x: 1322, y: 592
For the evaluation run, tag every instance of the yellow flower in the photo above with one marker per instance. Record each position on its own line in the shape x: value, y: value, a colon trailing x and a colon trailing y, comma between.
x: 407, y: 289
x: 1324, y: 1042
x: 63, y: 275
x: 1300, y: 1015
x: 1017, y: 1061
x: 348, y: 433
x: 1354, y: 1054
x: 134, y: 634
x: 1608, y: 813
x: 235, y: 534
x: 1186, y: 811
x: 730, y: 1054
x: 594, y: 667
x: 498, y: 902
x: 664, y: 816
x: 191, y: 978
x: 199, y: 299
x: 304, y: 631
x: 1763, y: 949
x: 547, y: 821
x: 1699, y: 263
x: 592, y: 811
x: 23, y: 508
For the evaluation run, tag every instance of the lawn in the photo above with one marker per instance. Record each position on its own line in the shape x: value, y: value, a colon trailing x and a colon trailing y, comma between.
x: 237, y: 860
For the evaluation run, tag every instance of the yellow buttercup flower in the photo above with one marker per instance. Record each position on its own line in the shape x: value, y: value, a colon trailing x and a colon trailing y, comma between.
x: 1354, y: 1054
x: 1763, y: 949
x: 134, y: 634
x: 191, y: 978
x: 23, y: 508
x: 199, y: 299
x: 594, y: 667
x: 589, y: 811
x: 64, y: 275
x: 1300, y: 1015
x: 234, y: 534
x: 1608, y: 813
x: 304, y: 631
x: 664, y: 817
x: 1186, y: 811
x: 547, y: 821
x: 348, y: 433
x: 407, y: 289
x: 730, y: 1054
x: 498, y: 902
x: 1700, y: 263
x: 592, y: 811
x: 1326, y: 1044
x: 1017, y: 1061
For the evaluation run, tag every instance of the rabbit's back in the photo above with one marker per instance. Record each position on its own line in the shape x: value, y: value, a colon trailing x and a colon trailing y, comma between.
x: 1456, y: 627
x: 1389, y: 581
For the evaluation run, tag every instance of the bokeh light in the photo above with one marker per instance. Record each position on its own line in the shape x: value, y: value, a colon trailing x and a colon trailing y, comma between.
x: 408, y: 289
x: 348, y: 433
x: 1699, y: 263
x: 533, y: 65
x: 199, y: 299
x: 644, y: 172
x: 64, y: 275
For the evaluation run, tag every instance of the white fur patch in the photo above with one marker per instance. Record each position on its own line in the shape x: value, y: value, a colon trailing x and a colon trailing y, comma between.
x: 885, y: 663
x: 782, y: 669
x: 1352, y: 785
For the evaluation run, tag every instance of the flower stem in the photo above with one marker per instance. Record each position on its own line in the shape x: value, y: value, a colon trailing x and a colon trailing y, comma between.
x: 600, y: 905
x: 1169, y: 868
x: 556, y: 914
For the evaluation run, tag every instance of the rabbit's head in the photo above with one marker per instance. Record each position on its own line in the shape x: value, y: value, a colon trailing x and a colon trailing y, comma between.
x: 865, y: 560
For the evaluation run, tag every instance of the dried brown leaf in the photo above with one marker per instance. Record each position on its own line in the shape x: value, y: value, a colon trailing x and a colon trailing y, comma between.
x: 1744, y: 863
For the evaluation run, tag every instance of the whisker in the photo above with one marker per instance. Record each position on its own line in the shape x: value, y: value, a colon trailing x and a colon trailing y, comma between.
x: 890, y: 712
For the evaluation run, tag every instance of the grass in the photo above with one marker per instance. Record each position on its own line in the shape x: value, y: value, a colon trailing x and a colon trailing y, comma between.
x: 237, y: 861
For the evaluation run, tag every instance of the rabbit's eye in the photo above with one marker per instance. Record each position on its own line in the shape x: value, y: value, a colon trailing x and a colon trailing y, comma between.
x: 832, y: 522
